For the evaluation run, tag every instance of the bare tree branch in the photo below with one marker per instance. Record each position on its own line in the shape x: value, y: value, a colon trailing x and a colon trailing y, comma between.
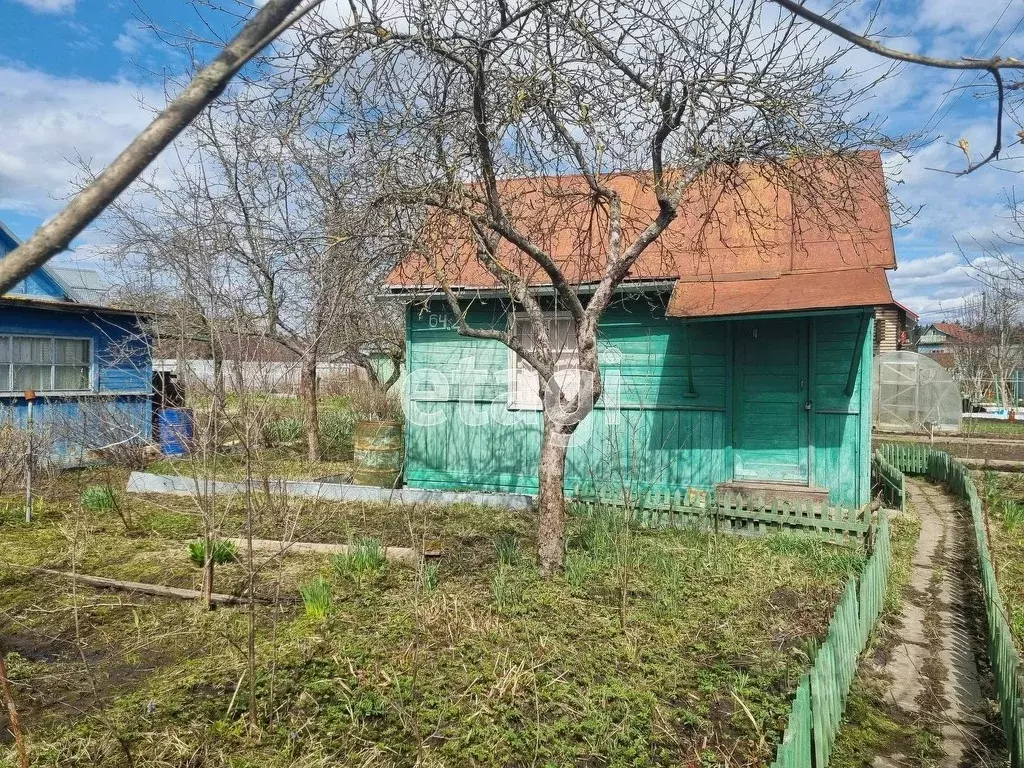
x: 992, y: 65
x: 54, y: 237
x: 995, y: 62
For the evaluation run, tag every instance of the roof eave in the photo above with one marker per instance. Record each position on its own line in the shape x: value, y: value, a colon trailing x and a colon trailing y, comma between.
x: 72, y: 306
x: 431, y: 291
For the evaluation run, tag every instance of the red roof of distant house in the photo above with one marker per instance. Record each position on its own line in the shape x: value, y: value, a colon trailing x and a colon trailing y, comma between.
x: 742, y: 242
x: 955, y: 331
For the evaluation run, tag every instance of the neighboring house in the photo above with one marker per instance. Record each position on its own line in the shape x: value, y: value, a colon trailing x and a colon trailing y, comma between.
x: 894, y: 328
x: 88, y: 363
x: 249, y: 363
x: 736, y: 356
x: 940, y: 337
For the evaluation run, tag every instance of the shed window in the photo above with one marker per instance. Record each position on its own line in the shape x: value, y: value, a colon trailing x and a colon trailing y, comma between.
x: 5, y: 363
x: 45, y: 364
x: 70, y: 364
x: 524, y: 382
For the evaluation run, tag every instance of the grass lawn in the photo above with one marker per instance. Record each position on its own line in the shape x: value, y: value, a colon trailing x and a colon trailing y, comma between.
x: 992, y: 428
x: 655, y: 648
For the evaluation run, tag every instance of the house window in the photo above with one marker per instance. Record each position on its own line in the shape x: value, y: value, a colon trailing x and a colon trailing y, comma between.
x: 524, y: 382
x: 45, y: 364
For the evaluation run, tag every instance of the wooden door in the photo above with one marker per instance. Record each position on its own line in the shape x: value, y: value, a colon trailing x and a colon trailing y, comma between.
x: 770, y: 414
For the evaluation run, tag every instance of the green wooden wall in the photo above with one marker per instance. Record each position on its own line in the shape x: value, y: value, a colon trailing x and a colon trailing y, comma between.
x: 649, y: 431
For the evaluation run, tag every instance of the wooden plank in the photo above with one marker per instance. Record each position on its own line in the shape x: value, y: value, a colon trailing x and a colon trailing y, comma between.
x: 159, y: 590
x: 403, y: 555
x: 851, y: 379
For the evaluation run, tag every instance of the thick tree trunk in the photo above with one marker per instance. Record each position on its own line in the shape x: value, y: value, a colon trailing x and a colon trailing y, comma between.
x: 396, y: 371
x: 371, y: 374
x: 308, y: 392
x: 560, y: 422
x: 551, y: 498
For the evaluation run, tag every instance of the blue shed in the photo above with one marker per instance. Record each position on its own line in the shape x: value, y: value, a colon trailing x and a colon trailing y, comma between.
x: 89, y: 364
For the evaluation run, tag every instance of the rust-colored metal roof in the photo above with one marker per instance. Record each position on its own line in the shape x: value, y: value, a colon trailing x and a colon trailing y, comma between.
x: 782, y: 293
x: 738, y: 232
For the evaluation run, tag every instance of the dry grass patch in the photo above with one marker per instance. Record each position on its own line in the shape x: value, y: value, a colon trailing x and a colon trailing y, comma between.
x: 654, y: 648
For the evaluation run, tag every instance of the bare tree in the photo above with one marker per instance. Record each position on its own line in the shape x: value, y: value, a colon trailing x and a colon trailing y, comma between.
x: 970, y: 354
x: 1004, y: 254
x: 990, y: 347
x: 648, y: 101
x: 1003, y: 327
x: 994, y: 66
x: 264, y: 223
x: 54, y: 236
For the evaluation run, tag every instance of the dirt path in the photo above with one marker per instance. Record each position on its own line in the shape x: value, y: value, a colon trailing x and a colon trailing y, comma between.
x: 932, y: 667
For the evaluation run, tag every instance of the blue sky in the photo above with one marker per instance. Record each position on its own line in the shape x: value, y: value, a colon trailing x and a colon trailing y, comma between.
x: 78, y: 78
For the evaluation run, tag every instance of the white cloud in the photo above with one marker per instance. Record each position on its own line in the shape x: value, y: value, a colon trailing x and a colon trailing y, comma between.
x: 924, y: 282
x: 956, y: 218
x: 928, y: 267
x: 49, y: 6
x: 126, y: 44
x: 133, y: 38
x: 49, y: 121
x: 976, y: 17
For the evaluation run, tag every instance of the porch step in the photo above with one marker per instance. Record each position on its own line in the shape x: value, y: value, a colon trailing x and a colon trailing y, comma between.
x: 774, y: 492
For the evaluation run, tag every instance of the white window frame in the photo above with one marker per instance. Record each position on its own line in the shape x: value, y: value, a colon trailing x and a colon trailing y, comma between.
x: 11, y: 336
x: 523, y: 394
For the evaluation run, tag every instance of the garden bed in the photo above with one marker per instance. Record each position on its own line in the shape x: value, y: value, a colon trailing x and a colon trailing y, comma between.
x: 667, y: 647
x: 993, y: 428
x: 1003, y: 493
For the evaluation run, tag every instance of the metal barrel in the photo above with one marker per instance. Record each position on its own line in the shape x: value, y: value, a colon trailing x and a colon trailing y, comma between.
x: 378, y: 453
x: 176, y: 431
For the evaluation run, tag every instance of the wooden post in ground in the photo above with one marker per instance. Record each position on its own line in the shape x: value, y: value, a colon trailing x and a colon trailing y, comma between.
x: 30, y: 398
x: 12, y: 715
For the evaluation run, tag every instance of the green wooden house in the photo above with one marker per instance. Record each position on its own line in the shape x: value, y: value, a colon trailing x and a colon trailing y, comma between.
x: 746, y: 369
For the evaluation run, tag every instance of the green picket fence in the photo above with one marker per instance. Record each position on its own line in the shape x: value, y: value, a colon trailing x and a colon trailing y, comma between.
x: 907, y: 457
x: 821, y: 696
x: 795, y: 749
x: 1003, y: 655
x: 889, y: 481
x: 734, y: 513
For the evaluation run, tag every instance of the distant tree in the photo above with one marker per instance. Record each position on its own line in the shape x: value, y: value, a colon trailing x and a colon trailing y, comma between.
x: 994, y: 66
x: 994, y: 312
x: 970, y: 356
x: 265, y: 225
x: 991, y: 349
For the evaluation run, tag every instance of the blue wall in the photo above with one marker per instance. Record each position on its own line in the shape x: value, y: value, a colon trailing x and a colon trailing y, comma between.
x: 118, y: 408
x: 39, y: 283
